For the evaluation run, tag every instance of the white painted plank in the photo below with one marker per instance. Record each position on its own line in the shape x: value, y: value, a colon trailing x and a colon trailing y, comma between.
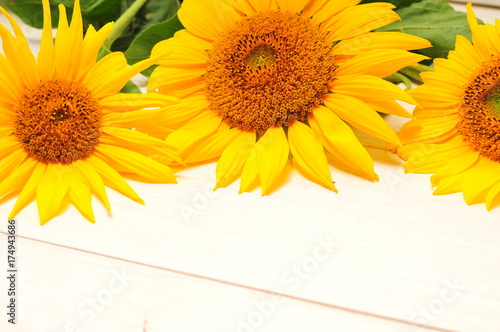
x: 400, y: 252
x: 397, y: 247
x: 492, y: 3
x: 485, y: 13
x: 66, y: 290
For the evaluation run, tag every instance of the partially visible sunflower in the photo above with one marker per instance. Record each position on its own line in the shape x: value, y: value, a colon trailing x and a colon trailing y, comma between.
x: 456, y: 133
x: 266, y: 81
x: 64, y: 128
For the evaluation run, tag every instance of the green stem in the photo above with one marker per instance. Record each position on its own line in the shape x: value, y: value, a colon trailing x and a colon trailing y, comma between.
x: 424, y: 68
x: 413, y: 72
x: 393, y: 79
x: 404, y: 80
x: 397, y: 78
x: 123, y: 21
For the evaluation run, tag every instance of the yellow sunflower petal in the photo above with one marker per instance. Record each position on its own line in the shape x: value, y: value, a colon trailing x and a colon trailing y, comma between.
x: 454, y: 86
x: 185, y: 50
x: 435, y: 156
x: 308, y: 152
x: 113, y: 179
x: 199, y: 128
x: 368, y: 88
x: 450, y: 185
x: 133, y: 136
x: 379, y: 63
x: 106, y: 66
x: 493, y: 37
x: 355, y: 21
x: 295, y: 6
x: 492, y: 196
x: 361, y: 116
x: 141, y: 143
x: 51, y: 191
x: 389, y: 107
x: 127, y: 161
x: 312, y: 7
x: 479, y: 179
x: 17, y: 51
x: 272, y: 153
x: 234, y: 157
x: 466, y: 55
x: 456, y: 164
x: 18, y: 178
x: 480, y: 39
x: 45, y: 57
x: 213, y: 146
x: 126, y: 102
x: 81, y: 197
x: 207, y: 19
x: 93, y: 180
x: 69, y: 44
x: 331, y: 8
x: 111, y: 73
x: 438, y: 131
x: 341, y: 141
x: 250, y: 171
x: 380, y: 41
x: 8, y: 144
x: 449, y: 67
x: 428, y: 113
x: 10, y: 84
x: 91, y: 45
x: 11, y: 162
x: 28, y: 192
x: 142, y: 120
x: 254, y: 6
x: 175, y: 78
x: 436, y: 97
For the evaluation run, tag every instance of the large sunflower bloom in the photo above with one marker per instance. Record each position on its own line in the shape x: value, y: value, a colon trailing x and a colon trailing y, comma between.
x: 456, y: 133
x: 64, y: 128
x: 267, y: 81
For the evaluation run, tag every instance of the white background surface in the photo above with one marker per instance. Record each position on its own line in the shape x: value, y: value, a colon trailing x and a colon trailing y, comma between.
x: 384, y: 256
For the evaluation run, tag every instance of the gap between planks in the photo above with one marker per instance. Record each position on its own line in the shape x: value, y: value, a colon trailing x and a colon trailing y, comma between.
x: 234, y: 284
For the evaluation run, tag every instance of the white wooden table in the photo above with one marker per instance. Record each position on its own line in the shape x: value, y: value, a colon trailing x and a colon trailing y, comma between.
x: 386, y: 256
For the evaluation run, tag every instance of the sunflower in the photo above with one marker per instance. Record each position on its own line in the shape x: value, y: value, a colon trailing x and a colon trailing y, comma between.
x: 264, y: 82
x: 456, y: 132
x: 65, y: 131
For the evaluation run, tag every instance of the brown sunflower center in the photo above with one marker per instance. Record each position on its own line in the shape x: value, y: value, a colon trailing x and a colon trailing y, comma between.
x: 479, y: 112
x: 58, y: 122
x: 269, y: 70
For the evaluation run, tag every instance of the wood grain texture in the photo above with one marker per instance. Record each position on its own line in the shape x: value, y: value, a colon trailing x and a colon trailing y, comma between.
x: 96, y: 293
x: 384, y: 256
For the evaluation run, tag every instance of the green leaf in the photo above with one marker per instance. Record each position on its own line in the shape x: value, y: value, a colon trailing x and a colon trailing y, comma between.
x: 31, y: 12
x: 154, y: 11
x: 398, y: 3
x: 142, y: 45
x: 100, y: 10
x: 95, y: 12
x: 434, y: 20
x: 130, y: 87
x: 103, y: 51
